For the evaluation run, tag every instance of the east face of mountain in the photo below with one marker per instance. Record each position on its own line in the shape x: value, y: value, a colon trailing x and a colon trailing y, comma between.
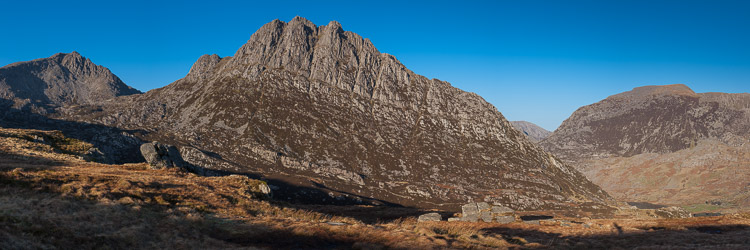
x: 62, y: 79
x: 321, y: 108
x: 662, y: 144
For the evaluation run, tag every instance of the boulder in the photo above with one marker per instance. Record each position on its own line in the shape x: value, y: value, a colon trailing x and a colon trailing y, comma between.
x: 265, y: 189
x: 486, y: 216
x: 474, y: 212
x: 160, y: 156
x: 501, y: 210
x: 470, y: 212
x: 505, y: 219
x: 430, y: 217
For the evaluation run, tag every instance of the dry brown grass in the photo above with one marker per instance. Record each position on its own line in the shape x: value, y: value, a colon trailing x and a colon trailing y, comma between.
x: 53, y: 200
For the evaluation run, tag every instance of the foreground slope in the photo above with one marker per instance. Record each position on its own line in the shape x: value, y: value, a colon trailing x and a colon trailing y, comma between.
x: 662, y: 144
x: 320, y: 107
x: 62, y: 79
x: 49, y: 198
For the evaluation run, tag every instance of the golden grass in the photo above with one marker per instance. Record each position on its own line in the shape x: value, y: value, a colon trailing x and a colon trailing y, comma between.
x: 49, y: 199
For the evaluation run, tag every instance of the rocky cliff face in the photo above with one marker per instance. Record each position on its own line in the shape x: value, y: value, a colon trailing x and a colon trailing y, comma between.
x: 532, y: 131
x: 62, y: 79
x: 32, y: 92
x: 321, y: 108
x: 662, y: 144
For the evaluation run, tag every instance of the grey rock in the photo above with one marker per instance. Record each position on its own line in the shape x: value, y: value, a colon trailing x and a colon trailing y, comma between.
x: 470, y: 218
x: 486, y: 216
x: 483, y: 206
x: 454, y: 219
x: 265, y: 189
x: 502, y: 210
x: 470, y: 210
x: 159, y: 156
x: 430, y: 217
x: 505, y: 219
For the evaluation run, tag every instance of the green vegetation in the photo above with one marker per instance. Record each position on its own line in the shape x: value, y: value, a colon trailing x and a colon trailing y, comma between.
x: 700, y: 207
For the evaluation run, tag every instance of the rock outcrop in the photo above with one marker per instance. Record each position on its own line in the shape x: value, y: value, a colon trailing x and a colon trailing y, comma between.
x: 320, y: 108
x: 161, y: 156
x: 430, y: 217
x: 482, y: 211
x: 662, y: 144
x: 533, y: 131
x: 62, y: 79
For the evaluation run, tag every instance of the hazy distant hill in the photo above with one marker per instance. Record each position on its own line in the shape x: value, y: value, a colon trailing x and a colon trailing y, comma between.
x: 533, y: 131
x: 61, y: 79
x: 664, y: 144
x: 320, y: 108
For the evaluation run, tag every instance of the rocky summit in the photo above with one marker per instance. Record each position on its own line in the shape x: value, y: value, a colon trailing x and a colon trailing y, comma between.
x: 33, y: 93
x: 662, y: 144
x: 322, y: 114
x: 62, y: 79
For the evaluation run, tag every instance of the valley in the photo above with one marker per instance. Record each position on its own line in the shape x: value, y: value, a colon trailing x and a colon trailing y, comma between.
x: 308, y: 136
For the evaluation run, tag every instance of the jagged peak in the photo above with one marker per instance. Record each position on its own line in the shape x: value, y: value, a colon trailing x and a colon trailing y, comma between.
x: 204, y: 66
x: 333, y: 24
x: 61, y: 55
x: 301, y: 20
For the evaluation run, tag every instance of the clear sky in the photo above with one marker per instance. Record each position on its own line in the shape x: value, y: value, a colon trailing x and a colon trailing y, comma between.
x: 534, y: 60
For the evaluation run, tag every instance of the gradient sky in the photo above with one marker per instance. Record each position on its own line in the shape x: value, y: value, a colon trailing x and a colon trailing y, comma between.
x: 534, y: 60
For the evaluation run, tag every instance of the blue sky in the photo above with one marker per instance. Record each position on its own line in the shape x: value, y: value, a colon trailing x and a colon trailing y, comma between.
x: 534, y: 60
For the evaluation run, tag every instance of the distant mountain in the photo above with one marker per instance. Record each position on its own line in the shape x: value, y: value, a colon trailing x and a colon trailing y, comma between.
x: 62, y: 79
x: 662, y: 144
x: 533, y: 131
x: 321, y: 109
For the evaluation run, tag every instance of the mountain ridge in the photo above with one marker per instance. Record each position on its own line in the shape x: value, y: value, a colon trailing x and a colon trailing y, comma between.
x: 661, y: 144
x: 61, y: 79
x: 321, y: 107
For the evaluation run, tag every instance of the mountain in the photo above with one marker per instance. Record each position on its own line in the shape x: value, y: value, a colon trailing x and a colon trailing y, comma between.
x: 62, y: 79
x: 322, y: 114
x: 533, y: 131
x: 33, y: 92
x: 662, y: 144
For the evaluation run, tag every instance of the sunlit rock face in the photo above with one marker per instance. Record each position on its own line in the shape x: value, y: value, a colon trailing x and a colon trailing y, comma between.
x: 321, y: 109
x: 62, y: 79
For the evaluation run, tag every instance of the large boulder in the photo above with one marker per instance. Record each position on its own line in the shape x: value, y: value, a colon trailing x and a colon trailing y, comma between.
x: 474, y: 212
x: 470, y: 212
x: 161, y: 156
x: 430, y: 217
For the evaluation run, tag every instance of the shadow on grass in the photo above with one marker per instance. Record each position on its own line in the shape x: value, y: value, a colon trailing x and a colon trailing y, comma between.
x: 34, y: 216
x: 725, y: 236
x: 10, y: 160
x: 116, y: 145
